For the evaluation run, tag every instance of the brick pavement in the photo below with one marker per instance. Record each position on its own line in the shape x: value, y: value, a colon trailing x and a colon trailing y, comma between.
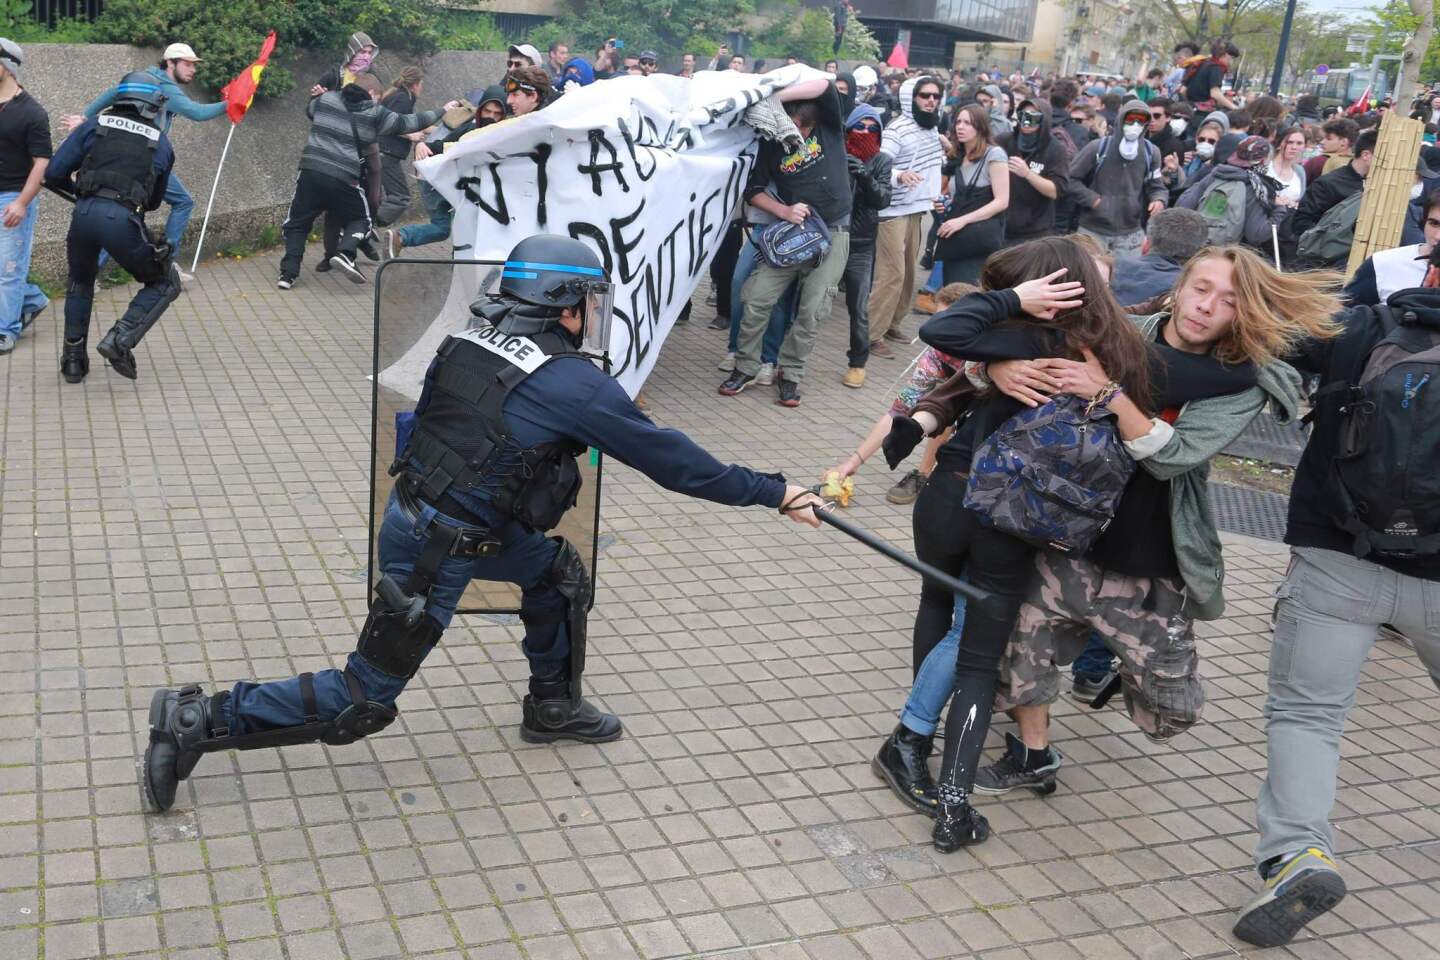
x: 208, y: 523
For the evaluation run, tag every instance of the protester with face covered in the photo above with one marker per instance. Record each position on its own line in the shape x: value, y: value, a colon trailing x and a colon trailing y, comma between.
x: 1246, y: 166
x: 1039, y: 174
x: 490, y: 109
x: 912, y: 141
x: 1116, y: 181
x: 870, y: 169
x: 577, y: 73
x: 360, y: 54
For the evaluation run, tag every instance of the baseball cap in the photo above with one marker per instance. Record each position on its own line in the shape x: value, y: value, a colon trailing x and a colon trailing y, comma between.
x: 179, y: 51
x: 648, y: 55
x: 526, y: 50
x: 10, y: 56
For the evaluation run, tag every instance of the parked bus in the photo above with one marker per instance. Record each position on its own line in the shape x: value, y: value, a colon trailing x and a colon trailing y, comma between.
x: 1339, y: 88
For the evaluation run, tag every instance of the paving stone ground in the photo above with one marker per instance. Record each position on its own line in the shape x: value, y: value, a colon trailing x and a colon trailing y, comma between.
x: 208, y: 522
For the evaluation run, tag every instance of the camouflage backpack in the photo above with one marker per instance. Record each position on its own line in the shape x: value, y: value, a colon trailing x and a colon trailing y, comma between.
x: 1051, y: 475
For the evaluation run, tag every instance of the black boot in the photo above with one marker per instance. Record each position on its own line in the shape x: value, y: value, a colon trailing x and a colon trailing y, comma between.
x: 180, y: 720
x: 958, y: 825
x: 901, y: 764
x: 112, y: 347
x: 74, y: 361
x: 551, y: 714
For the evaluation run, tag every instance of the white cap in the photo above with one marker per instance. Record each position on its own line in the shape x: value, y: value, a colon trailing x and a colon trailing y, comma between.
x: 179, y: 51
x: 865, y: 76
x: 527, y: 51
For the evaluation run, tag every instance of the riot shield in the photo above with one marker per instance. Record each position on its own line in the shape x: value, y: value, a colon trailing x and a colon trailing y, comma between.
x: 418, y: 302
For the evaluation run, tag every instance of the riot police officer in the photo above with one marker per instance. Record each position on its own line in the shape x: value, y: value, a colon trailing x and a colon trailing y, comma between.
x: 489, y: 466
x: 116, y: 165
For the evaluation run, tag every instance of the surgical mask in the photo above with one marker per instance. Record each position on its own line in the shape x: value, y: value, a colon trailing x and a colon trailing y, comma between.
x: 1416, y: 190
x: 1177, y: 125
x: 1204, y: 150
x: 1132, y: 131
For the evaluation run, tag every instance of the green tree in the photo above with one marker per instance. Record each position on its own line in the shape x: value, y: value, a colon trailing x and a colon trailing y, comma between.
x: 810, y: 35
x: 669, y: 27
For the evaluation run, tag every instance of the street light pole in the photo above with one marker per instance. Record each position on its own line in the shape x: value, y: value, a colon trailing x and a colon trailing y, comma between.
x: 1282, y: 49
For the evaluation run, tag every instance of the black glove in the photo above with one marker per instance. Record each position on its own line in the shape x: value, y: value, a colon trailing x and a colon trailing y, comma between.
x: 856, y: 165
x: 905, y: 433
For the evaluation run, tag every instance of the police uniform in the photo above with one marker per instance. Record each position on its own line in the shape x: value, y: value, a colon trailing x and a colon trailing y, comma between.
x: 116, y: 165
x: 488, y: 467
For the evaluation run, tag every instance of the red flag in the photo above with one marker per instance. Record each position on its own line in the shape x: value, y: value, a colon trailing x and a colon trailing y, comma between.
x: 1361, y: 105
x: 240, y: 92
x: 899, y: 58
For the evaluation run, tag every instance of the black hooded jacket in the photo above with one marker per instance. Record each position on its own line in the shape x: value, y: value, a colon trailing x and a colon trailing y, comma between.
x: 1032, y: 214
x: 1313, y: 502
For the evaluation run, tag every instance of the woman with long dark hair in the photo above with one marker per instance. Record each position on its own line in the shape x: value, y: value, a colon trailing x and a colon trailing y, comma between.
x: 1047, y: 292
x: 979, y: 196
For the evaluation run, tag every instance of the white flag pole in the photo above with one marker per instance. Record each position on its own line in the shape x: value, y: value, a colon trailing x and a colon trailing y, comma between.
x: 200, y: 244
x: 1275, y: 240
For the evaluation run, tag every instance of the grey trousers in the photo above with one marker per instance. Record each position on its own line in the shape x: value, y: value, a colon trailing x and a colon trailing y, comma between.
x: 817, y: 291
x: 1327, y: 613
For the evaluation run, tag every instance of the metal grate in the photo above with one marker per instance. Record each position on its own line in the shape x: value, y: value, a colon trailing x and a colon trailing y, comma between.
x: 1252, y: 513
x: 1270, y: 440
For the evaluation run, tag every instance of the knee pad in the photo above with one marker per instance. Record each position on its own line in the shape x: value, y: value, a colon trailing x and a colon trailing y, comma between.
x: 390, y: 644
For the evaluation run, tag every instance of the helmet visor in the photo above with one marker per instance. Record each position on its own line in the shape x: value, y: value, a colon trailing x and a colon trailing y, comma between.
x: 596, y: 313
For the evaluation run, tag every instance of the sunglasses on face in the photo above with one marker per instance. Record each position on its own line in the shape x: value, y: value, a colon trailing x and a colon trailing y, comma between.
x: 512, y: 64
x: 1029, y: 119
x: 647, y: 63
x: 930, y: 95
x: 868, y: 128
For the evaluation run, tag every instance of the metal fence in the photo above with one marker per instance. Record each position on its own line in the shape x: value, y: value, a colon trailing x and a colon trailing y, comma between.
x: 49, y: 11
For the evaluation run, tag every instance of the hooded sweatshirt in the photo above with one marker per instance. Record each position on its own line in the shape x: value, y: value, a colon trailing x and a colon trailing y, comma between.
x: 1032, y: 214
x: 1111, y: 195
x: 871, y: 180
x: 1259, y: 200
x: 332, y: 149
x: 911, y: 147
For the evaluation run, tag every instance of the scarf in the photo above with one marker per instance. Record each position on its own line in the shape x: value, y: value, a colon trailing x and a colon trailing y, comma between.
x: 862, y: 144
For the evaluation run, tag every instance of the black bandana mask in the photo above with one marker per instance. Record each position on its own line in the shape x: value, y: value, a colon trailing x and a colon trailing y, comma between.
x: 927, y: 119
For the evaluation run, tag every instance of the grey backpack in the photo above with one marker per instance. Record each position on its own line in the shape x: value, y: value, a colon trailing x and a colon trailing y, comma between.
x: 1328, y: 243
x: 1223, y: 207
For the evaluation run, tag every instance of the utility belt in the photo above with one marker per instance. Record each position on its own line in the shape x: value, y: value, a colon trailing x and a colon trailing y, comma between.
x: 475, y: 539
x: 108, y: 193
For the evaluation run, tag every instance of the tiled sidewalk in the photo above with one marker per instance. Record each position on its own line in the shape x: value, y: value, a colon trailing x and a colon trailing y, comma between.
x: 209, y: 522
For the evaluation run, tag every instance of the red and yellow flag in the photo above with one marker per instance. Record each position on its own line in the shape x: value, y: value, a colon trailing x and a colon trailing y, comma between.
x: 240, y: 92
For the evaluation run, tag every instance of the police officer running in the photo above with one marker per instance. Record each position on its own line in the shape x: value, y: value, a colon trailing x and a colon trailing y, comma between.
x: 490, y: 465
x: 117, y: 165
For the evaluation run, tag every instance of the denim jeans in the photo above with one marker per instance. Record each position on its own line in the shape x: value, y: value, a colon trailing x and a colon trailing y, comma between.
x: 936, y: 280
x: 780, y: 318
x: 1094, y: 662
x: 440, y: 213
x: 935, y: 681
x: 18, y: 296
x: 182, y: 205
x: 525, y: 560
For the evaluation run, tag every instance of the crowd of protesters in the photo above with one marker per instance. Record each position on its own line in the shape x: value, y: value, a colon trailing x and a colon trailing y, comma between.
x: 1164, y: 248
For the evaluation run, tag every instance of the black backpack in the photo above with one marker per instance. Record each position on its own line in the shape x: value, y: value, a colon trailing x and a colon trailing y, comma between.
x: 1384, y: 480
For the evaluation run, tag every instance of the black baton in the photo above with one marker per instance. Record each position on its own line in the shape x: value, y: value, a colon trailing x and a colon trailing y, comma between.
x: 827, y: 515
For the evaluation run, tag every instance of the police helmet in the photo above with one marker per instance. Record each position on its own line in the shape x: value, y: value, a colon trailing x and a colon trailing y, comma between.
x: 141, y: 93
x: 548, y: 271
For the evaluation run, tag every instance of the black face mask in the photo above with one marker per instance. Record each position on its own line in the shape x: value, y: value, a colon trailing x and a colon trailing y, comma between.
x: 927, y: 119
x: 1028, y: 141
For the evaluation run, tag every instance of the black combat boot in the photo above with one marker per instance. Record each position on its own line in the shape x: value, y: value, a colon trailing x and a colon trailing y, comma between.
x: 112, y: 347
x: 74, y: 360
x: 552, y: 714
x: 901, y: 763
x: 180, y: 721
x: 958, y: 825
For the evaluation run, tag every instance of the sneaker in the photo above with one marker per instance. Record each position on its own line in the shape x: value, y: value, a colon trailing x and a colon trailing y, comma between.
x: 1296, y: 893
x: 720, y: 323
x: 26, y: 319
x: 854, y: 378
x: 1086, y: 689
x: 394, y: 243
x: 367, y: 247
x: 925, y: 303
x: 881, y: 349
x: 789, y: 393
x: 1018, y: 768
x: 185, y: 276
x: 323, y: 266
x: 285, y: 282
x: 735, y: 384
x: 765, y: 375
x: 348, y: 267
x: 7, y: 342
x: 727, y: 363
x: 907, y: 490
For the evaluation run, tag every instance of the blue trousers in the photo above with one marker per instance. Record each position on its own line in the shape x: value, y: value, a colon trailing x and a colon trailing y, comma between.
x: 780, y: 318
x: 98, y: 225
x: 525, y: 560
x: 441, y: 213
x: 182, y: 205
x: 1095, y: 660
x: 18, y: 296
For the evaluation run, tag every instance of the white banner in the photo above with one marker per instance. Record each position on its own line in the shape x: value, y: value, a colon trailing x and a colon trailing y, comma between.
x: 645, y: 170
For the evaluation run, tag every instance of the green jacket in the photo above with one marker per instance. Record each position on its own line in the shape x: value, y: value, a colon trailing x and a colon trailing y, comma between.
x: 1203, y: 429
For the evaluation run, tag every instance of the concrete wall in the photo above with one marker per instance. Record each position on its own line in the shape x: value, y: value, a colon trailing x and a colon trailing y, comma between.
x: 260, y: 171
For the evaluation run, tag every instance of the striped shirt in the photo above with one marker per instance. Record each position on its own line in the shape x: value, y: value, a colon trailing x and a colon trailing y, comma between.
x: 331, y: 148
x: 911, y: 147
